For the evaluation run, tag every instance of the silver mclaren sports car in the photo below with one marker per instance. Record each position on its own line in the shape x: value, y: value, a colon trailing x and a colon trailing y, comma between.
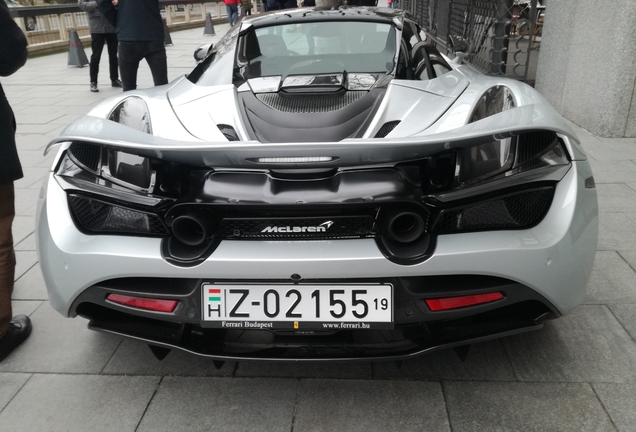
x: 324, y: 184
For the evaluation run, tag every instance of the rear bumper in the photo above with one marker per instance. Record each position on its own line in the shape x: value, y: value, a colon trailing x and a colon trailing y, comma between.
x: 417, y: 329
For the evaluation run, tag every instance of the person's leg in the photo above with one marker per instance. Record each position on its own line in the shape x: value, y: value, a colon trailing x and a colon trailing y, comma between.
x: 228, y: 12
x: 157, y: 61
x: 235, y: 13
x: 111, y: 39
x: 129, y: 57
x: 7, y: 256
x: 97, y: 45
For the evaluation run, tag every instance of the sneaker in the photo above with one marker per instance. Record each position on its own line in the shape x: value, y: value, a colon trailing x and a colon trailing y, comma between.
x: 116, y: 83
x: 19, y: 329
x: 94, y: 88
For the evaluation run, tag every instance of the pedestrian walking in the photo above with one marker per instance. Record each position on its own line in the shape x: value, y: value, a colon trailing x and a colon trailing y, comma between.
x: 140, y: 33
x: 231, y: 8
x: 13, y: 55
x: 102, y: 32
x: 247, y: 7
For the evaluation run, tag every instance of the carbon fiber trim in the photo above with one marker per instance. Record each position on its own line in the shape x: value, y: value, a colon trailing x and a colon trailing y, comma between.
x: 297, y: 228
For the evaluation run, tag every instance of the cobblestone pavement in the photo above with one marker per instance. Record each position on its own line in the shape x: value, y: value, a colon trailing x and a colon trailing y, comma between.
x: 578, y: 373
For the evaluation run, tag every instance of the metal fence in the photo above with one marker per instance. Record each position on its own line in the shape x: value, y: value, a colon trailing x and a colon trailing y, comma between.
x: 504, y: 35
x: 48, y: 27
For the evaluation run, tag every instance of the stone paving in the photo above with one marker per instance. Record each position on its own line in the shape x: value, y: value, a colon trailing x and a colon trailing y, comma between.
x: 577, y: 374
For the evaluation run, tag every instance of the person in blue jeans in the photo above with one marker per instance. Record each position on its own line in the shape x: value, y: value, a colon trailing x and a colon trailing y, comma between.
x: 140, y: 33
x: 231, y: 8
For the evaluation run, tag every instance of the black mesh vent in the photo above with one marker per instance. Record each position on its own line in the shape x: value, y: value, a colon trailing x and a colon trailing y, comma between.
x: 86, y: 154
x: 387, y: 128
x: 99, y: 217
x: 520, y: 210
x: 229, y: 132
x: 298, y: 228
x: 533, y: 144
x: 306, y: 104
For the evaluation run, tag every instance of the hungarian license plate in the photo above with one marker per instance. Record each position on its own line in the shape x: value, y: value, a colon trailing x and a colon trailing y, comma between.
x: 324, y: 307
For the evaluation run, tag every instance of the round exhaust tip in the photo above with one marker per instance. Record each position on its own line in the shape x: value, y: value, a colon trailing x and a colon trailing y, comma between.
x: 190, y: 230
x: 405, y: 227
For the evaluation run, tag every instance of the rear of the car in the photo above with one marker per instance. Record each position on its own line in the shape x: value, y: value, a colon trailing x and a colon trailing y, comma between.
x: 391, y: 241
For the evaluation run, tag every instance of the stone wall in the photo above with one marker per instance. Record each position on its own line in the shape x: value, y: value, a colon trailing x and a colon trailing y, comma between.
x: 587, y: 64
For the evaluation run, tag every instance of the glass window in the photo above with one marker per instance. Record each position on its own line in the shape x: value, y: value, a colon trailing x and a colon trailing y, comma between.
x: 322, y: 47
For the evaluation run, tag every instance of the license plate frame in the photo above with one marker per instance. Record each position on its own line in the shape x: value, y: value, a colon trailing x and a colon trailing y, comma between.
x: 318, y: 306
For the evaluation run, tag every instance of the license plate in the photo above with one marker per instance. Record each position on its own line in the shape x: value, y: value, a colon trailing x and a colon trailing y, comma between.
x: 324, y: 307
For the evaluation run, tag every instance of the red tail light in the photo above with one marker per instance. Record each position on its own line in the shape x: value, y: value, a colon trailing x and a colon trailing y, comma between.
x: 441, y: 304
x: 153, y: 304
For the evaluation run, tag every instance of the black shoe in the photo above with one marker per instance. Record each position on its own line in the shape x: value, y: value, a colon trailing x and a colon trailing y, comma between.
x: 94, y: 88
x: 116, y: 83
x: 19, y: 329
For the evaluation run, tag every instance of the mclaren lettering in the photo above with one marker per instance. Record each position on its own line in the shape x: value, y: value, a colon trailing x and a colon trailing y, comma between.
x: 298, y: 229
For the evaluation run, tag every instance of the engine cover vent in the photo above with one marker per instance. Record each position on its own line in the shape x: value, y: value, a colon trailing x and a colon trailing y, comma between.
x: 386, y: 129
x: 307, y: 104
x: 229, y: 132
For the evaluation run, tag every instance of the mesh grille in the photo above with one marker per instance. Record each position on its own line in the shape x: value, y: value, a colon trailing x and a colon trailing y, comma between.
x: 100, y: 217
x: 299, y: 228
x: 520, y: 210
x: 310, y: 103
x: 229, y: 132
x: 533, y: 144
x: 387, y: 128
x: 86, y: 154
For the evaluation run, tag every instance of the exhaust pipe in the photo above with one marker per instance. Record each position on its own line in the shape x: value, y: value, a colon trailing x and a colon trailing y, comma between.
x: 405, y: 227
x: 191, y: 229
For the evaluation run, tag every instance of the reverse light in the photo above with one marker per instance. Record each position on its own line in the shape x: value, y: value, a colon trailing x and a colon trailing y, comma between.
x: 448, y: 303
x: 153, y: 304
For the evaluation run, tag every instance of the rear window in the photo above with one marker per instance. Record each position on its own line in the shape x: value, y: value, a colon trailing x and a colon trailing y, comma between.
x: 321, y: 47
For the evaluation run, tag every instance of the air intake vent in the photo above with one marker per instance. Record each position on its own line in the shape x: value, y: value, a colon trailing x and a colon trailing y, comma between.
x: 514, y: 211
x: 229, y: 132
x: 387, y: 128
x: 96, y: 216
x: 306, y: 104
x: 534, y: 144
x: 85, y: 154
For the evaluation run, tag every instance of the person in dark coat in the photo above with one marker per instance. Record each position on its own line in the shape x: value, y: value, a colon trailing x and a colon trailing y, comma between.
x: 13, y: 55
x: 140, y: 33
x: 101, y: 32
x: 246, y: 5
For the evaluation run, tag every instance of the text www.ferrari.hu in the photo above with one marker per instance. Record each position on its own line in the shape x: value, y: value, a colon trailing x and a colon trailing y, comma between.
x: 346, y: 325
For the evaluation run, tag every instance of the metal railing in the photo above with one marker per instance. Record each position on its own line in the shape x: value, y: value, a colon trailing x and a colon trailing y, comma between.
x: 504, y: 35
x: 47, y: 27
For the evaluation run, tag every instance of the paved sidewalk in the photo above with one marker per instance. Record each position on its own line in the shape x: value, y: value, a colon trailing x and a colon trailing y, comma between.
x: 577, y: 374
